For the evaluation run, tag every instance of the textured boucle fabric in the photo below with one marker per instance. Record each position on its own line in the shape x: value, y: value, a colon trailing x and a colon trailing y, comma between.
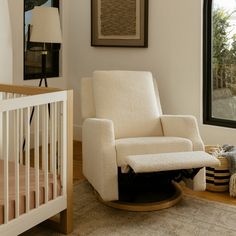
x: 149, y: 145
x: 184, y: 126
x: 128, y: 99
x: 127, y: 120
x: 87, y: 98
x: 99, y: 157
x: 170, y: 161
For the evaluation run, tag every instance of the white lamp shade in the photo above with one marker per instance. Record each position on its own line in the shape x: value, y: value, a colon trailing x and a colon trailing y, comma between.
x: 45, y: 25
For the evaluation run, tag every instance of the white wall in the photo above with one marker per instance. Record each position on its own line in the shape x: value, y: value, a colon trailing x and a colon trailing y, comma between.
x: 173, y: 56
x: 5, y: 44
x: 5, y: 50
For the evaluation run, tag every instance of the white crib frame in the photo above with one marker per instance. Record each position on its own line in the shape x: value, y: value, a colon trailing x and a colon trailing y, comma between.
x: 34, y: 97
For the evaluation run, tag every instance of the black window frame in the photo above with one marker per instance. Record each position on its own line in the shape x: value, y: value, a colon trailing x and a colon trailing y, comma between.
x: 207, y: 70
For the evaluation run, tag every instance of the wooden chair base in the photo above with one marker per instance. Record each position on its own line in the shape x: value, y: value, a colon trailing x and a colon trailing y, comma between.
x: 143, y: 205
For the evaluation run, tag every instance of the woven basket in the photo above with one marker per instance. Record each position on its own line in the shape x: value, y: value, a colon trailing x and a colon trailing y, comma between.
x: 217, y: 178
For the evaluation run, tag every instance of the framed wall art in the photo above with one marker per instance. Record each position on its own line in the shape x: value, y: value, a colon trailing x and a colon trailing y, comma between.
x: 119, y: 23
x: 33, y: 50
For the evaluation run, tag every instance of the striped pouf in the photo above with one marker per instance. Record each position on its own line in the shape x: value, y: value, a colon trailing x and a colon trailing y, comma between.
x: 217, y: 178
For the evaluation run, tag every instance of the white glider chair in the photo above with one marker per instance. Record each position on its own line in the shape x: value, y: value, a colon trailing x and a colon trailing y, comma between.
x: 122, y: 116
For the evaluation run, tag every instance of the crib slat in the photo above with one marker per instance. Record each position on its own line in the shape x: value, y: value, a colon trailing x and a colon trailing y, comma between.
x: 64, y: 145
x: 55, y: 156
x: 52, y: 138
x: 17, y: 150
x: 21, y: 135
x: 61, y: 145
x: 36, y: 154
x: 43, y: 135
x: 27, y: 159
x: 6, y: 158
x: 53, y: 146
x: 59, y: 138
x: 45, y: 149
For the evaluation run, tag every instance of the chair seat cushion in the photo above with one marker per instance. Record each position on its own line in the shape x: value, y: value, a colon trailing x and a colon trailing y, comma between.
x: 149, y: 145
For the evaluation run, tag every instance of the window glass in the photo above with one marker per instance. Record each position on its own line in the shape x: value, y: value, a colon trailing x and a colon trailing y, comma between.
x: 219, y: 62
x: 224, y: 59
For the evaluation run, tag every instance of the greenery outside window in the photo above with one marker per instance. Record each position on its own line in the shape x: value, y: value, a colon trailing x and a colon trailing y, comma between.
x: 219, y: 63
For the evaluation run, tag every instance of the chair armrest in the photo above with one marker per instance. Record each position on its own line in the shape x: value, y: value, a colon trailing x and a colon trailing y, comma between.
x: 183, y: 126
x: 99, y: 157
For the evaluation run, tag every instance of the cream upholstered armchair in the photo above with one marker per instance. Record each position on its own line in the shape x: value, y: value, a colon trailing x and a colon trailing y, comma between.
x: 122, y: 116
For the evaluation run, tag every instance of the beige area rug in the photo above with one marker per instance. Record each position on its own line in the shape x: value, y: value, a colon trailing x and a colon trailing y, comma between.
x: 191, y: 217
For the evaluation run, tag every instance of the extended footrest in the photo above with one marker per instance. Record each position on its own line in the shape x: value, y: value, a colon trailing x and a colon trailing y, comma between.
x: 149, y: 186
x: 170, y: 161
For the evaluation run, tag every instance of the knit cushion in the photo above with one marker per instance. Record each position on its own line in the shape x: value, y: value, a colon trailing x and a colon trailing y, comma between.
x: 171, y: 161
x: 128, y: 99
x: 149, y: 145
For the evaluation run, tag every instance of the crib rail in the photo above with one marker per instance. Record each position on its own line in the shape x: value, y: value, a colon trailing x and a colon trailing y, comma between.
x: 39, y: 146
x: 25, y: 90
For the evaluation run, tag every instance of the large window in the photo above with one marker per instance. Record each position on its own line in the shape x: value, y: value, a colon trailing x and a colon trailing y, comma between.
x: 219, y: 63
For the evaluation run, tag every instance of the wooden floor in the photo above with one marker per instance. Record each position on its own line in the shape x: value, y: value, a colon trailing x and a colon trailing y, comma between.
x: 218, y: 197
x: 77, y: 161
x: 212, y: 196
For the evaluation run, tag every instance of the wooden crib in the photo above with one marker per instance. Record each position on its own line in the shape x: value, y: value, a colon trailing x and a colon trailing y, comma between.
x: 36, y: 172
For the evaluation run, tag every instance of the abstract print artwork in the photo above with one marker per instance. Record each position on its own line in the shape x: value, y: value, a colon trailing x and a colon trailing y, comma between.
x: 119, y: 23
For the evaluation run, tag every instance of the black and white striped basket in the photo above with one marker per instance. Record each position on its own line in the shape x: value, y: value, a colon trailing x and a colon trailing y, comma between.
x: 217, y: 178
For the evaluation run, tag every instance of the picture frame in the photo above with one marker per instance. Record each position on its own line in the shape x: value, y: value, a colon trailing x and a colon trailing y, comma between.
x: 119, y: 23
x: 33, y: 51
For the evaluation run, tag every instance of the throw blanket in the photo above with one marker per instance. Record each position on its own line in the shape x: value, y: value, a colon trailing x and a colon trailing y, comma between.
x: 230, y: 152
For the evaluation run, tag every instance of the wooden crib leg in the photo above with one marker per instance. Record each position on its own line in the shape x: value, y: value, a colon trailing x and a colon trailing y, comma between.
x: 65, y: 224
x: 66, y: 217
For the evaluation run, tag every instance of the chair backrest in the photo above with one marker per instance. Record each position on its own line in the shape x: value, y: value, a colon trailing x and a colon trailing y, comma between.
x: 129, y: 98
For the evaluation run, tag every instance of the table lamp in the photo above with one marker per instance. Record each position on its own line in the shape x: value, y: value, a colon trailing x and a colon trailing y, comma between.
x: 45, y: 28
